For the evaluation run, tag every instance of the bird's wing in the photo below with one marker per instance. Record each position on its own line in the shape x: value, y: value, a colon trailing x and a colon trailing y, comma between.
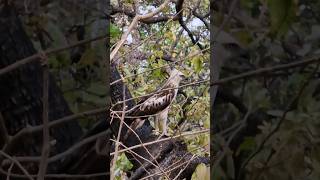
x: 155, y: 103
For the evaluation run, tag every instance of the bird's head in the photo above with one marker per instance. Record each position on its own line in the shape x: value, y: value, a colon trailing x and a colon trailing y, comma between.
x: 176, y: 72
x: 176, y: 75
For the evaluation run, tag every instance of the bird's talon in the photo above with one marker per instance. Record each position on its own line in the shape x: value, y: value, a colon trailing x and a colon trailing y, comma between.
x: 156, y: 132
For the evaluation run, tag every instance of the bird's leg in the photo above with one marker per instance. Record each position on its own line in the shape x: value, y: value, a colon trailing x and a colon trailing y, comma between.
x: 164, y: 127
x: 163, y: 124
x: 156, y: 125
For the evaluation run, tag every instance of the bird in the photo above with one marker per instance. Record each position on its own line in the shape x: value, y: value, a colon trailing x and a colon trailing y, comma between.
x: 158, y: 103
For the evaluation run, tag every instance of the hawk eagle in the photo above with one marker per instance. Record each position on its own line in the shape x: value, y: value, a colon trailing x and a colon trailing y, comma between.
x: 159, y: 102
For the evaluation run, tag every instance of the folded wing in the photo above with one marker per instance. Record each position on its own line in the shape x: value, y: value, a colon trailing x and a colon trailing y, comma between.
x: 155, y: 103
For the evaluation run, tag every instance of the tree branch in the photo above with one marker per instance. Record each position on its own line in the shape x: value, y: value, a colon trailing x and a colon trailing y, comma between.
x: 45, y: 119
x: 133, y: 24
x: 36, y: 57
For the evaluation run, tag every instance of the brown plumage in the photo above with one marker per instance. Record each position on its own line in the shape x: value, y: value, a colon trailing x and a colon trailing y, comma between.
x: 154, y: 103
x: 159, y: 102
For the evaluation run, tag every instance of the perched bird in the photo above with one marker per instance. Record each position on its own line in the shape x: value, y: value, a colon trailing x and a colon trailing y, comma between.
x: 159, y: 102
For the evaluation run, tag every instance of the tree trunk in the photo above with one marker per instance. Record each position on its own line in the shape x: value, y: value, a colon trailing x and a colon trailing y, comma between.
x: 21, y: 95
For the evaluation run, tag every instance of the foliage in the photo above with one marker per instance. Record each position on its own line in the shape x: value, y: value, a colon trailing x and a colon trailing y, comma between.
x: 202, y: 172
x: 280, y: 142
x: 152, y: 47
x: 80, y: 72
x: 122, y: 165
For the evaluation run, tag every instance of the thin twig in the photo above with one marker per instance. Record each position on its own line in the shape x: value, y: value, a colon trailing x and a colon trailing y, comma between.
x: 278, y: 125
x: 17, y: 163
x: 167, y: 171
x: 36, y: 56
x: 146, y: 39
x: 261, y: 71
x: 221, y: 154
x: 45, y: 118
x: 147, y: 150
x: 159, y: 67
x: 58, y: 176
x: 164, y: 139
x: 193, y: 156
x: 9, y: 171
x: 133, y: 24
x: 254, y: 73
x: 185, y: 85
x: 3, y: 131
x: 65, y: 153
x: 113, y: 168
x: 130, y: 151
x: 34, y: 129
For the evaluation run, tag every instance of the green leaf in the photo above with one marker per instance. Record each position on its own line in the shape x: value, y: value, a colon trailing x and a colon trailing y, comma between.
x: 247, y: 144
x: 157, y: 73
x: 282, y: 14
x: 202, y: 172
x: 206, y: 123
x: 97, y: 88
x: 123, y: 162
x: 88, y: 58
x: 114, y: 31
x: 53, y: 62
x: 159, y: 54
x: 197, y: 64
x: 62, y: 58
x: 92, y: 98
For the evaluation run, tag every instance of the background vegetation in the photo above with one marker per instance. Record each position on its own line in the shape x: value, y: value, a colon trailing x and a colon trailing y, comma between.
x: 266, y: 119
x: 53, y: 89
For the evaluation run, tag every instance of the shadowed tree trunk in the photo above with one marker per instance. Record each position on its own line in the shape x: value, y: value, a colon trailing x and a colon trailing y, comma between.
x: 21, y: 106
x: 21, y: 95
